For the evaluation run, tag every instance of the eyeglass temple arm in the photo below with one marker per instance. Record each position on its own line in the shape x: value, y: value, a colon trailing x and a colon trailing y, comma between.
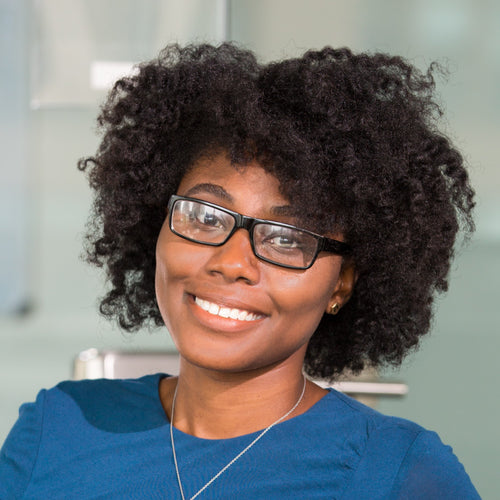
x: 334, y: 246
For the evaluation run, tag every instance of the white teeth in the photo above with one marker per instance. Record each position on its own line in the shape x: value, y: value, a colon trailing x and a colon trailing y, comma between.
x: 226, y: 312
x: 213, y: 309
x: 204, y: 304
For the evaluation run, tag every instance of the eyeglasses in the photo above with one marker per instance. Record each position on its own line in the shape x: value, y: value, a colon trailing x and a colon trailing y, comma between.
x: 281, y: 244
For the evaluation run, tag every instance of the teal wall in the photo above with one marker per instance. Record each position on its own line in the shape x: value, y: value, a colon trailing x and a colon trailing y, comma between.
x: 49, y: 123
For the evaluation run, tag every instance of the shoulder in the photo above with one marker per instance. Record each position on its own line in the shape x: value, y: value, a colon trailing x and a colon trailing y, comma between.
x: 125, y: 405
x: 105, y: 405
x: 430, y: 469
x: 20, y: 449
x: 399, y: 457
x: 365, y: 419
x: 375, y: 433
x: 72, y: 426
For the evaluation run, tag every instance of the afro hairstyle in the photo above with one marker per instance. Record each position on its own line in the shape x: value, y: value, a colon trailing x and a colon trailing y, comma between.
x: 353, y: 140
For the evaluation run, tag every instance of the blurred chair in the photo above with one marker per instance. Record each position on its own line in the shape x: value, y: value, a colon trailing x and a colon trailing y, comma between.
x: 92, y: 364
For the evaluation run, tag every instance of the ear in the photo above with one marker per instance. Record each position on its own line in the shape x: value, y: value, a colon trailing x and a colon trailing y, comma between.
x: 343, y: 288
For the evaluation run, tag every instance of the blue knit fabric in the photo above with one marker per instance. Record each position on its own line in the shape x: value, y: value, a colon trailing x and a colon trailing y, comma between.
x: 109, y: 439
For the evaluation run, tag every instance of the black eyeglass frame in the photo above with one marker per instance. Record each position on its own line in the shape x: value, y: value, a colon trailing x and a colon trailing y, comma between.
x: 244, y: 222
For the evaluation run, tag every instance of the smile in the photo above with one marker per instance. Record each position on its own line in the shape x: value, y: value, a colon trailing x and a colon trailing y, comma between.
x: 226, y: 312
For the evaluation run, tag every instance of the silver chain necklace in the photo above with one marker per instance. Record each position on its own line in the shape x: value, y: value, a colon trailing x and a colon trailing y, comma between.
x: 237, y: 456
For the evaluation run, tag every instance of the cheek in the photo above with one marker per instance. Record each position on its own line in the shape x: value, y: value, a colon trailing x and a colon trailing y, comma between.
x: 169, y: 271
x: 173, y: 257
x: 161, y: 273
x: 176, y: 263
x: 304, y: 297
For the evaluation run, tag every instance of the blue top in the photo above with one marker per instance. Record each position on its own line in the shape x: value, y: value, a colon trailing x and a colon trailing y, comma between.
x: 109, y: 439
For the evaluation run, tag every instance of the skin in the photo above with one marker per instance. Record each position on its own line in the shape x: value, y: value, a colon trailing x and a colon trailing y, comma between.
x: 237, y: 377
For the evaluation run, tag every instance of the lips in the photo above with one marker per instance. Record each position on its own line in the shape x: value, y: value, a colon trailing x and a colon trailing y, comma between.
x: 227, y: 312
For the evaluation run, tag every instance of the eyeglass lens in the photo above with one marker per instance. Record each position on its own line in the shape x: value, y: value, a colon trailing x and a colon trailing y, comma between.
x: 279, y: 244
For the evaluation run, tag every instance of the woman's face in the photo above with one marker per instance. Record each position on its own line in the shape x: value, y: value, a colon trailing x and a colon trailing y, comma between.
x: 282, y: 306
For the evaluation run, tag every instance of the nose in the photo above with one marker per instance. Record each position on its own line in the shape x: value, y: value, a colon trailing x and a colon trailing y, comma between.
x: 235, y: 260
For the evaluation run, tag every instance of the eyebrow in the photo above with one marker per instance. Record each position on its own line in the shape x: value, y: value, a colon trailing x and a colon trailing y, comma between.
x: 220, y: 192
x: 214, y: 189
x: 284, y: 211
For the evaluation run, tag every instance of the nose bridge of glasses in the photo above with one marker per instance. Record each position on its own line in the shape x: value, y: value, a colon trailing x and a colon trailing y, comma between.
x: 244, y: 222
x: 238, y: 252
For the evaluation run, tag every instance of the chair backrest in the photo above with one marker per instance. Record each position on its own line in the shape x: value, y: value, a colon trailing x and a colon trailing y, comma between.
x: 93, y: 363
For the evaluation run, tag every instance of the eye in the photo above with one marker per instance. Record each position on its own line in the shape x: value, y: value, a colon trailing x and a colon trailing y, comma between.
x: 283, y: 239
x: 209, y: 217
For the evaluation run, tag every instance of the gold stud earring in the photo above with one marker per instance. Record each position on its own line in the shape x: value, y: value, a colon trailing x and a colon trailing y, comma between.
x: 334, y: 309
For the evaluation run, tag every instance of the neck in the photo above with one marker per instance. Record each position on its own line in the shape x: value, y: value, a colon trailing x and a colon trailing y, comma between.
x: 214, y: 405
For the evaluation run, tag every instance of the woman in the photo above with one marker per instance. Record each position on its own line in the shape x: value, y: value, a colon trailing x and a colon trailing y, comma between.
x: 278, y: 219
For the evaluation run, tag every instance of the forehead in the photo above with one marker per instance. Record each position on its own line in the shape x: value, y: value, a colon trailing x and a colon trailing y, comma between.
x: 244, y: 185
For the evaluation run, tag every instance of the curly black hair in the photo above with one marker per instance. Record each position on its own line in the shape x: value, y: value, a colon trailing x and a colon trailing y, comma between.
x: 354, y: 142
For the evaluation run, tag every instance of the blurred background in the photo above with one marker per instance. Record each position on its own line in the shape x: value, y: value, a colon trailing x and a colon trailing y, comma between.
x: 57, y: 58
